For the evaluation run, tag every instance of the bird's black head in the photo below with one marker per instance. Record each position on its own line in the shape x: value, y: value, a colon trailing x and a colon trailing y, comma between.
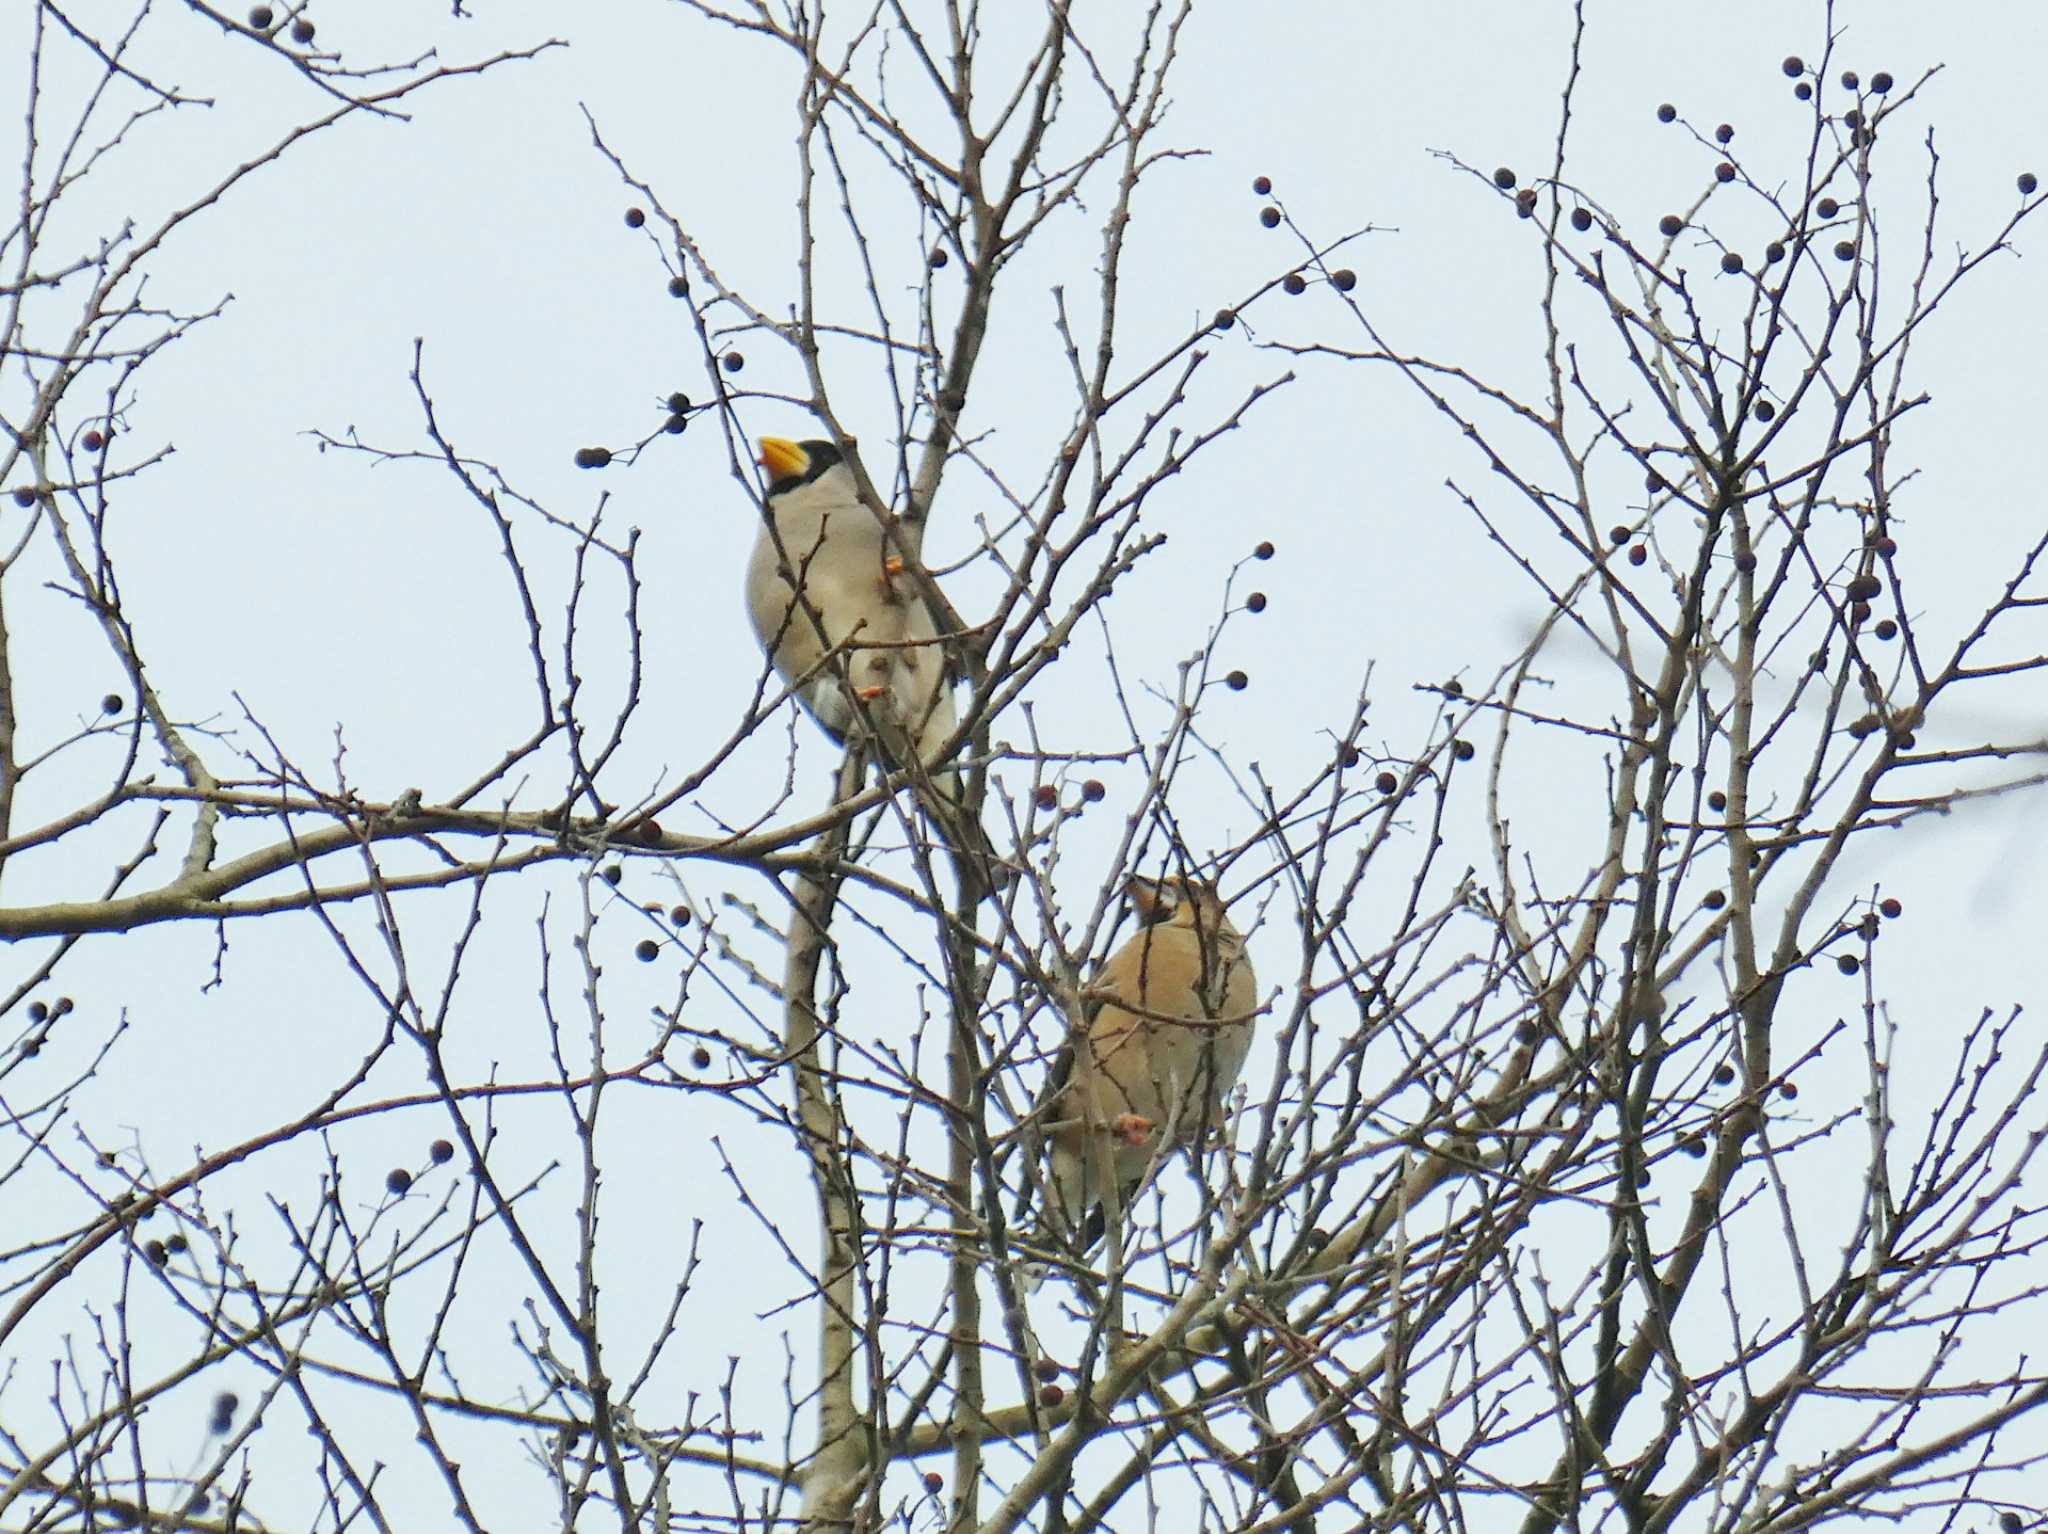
x: 795, y: 464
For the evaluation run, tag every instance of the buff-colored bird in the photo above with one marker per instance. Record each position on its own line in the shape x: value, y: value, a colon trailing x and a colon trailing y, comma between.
x: 859, y: 645
x: 1170, y: 1025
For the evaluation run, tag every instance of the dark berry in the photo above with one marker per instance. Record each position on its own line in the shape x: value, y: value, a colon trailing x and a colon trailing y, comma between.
x: 1693, y: 1145
x: 1462, y: 750
x: 1789, y: 1089
x: 1863, y: 587
x: 224, y: 1407
x: 92, y: 442
x: 1845, y: 250
x: 1667, y: 113
x: 1670, y: 224
x: 679, y: 402
x: 2009, y: 1522
x: 24, y: 496
x: 1092, y: 790
x: 1765, y: 410
x: 635, y: 218
x: 680, y: 916
x: 1270, y: 217
x: 1525, y: 203
x: 1827, y: 207
x: 1046, y: 1371
x: 1386, y: 783
x: 1225, y: 318
x: 1654, y: 482
x: 1046, y: 796
x: 1344, y: 279
x: 1294, y: 283
x: 1714, y: 899
x: 1237, y: 681
x: 111, y: 703
x: 1803, y: 91
x: 1849, y: 80
x: 1773, y: 253
x: 679, y: 287
x: 176, y: 1243
x: 1504, y: 178
x: 1263, y: 551
x: 1886, y: 629
x: 37, y: 1011
x: 732, y: 362
x: 650, y: 835
x: 1745, y: 562
x: 1052, y: 1395
x: 64, y: 1005
x: 260, y: 18
x: 1717, y: 801
x: 1848, y: 964
x: 646, y: 950
x: 302, y: 31
x: 937, y: 258
x: 1723, y: 1074
x: 1731, y: 262
x: 612, y: 873
x: 441, y: 1152
x: 1255, y: 603
x: 934, y: 1482
x: 1455, y: 688
x: 1724, y: 133
x: 2027, y: 185
x: 397, y: 1180
x: 1347, y: 756
x: 1881, y: 81
x: 1886, y: 546
x: 700, y: 1057
x: 1794, y: 66
x: 1724, y: 173
x: 157, y: 1253
x: 593, y: 457
x: 1854, y: 119
x: 1889, y: 907
x: 1638, y: 555
x: 675, y: 425
x: 1581, y: 220
x: 1617, y: 535
x: 1262, y: 186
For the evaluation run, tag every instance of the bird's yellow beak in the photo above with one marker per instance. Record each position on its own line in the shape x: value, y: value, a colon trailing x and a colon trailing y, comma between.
x: 1151, y: 901
x: 782, y: 458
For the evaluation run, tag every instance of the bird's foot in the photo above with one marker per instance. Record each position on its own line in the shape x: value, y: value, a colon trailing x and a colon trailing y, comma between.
x: 889, y: 581
x: 1133, y: 1129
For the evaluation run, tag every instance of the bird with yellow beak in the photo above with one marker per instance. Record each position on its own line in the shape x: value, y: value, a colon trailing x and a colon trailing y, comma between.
x: 849, y: 631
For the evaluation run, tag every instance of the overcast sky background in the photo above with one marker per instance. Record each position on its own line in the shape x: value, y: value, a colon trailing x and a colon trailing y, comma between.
x: 322, y: 591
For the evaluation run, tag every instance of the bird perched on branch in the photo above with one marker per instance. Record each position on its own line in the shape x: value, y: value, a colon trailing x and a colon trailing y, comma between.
x: 851, y: 633
x: 1168, y: 1027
